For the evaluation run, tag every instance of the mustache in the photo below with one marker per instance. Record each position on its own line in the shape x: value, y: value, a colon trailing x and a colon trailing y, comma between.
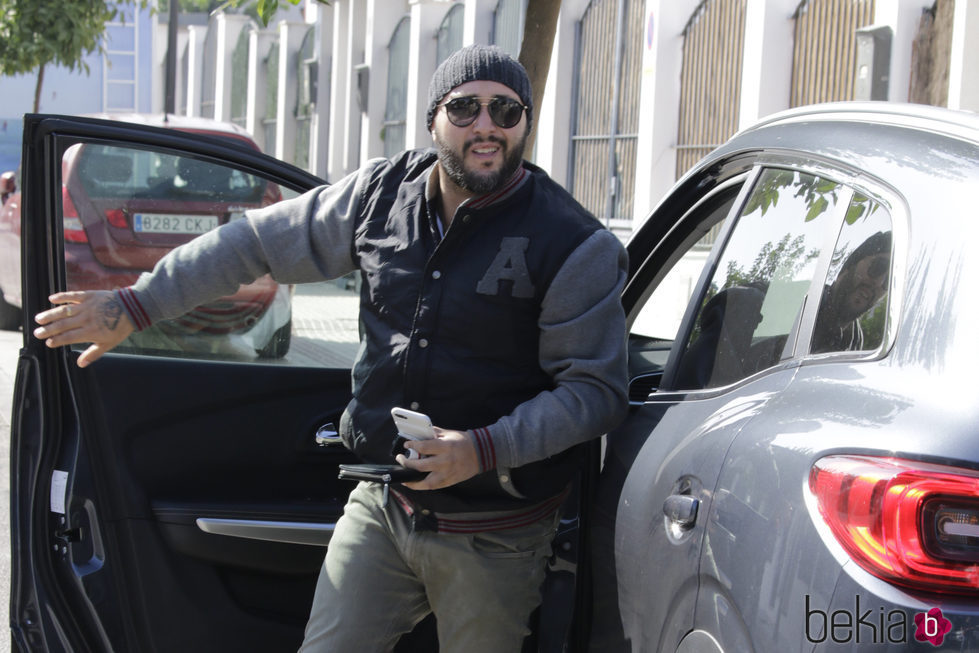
x: 487, y: 139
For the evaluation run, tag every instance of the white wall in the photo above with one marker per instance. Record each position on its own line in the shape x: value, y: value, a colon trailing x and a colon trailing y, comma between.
x: 767, y: 64
x: 291, y: 35
x: 553, y: 116
x: 477, y: 24
x: 963, y: 81
x: 320, y: 132
x: 229, y: 28
x: 903, y: 17
x: 660, y: 101
x: 260, y: 42
x: 195, y: 67
x: 426, y: 16
x: 382, y: 18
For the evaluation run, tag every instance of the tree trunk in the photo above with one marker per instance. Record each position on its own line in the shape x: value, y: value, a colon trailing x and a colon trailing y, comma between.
x: 535, y: 50
x: 37, y: 88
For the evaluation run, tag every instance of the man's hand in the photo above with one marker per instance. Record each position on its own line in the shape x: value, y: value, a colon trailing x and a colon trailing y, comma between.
x: 84, y: 316
x: 450, y: 458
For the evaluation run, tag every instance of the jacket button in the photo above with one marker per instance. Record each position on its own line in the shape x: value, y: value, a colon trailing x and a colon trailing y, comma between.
x: 504, y: 478
x: 436, y: 275
x: 423, y: 343
x: 415, y: 405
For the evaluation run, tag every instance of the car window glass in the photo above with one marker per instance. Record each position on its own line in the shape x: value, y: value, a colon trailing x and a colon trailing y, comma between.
x: 757, y: 291
x: 124, y: 208
x: 656, y: 320
x: 853, y: 305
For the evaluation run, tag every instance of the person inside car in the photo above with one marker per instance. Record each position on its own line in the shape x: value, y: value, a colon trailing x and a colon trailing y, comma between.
x: 862, y: 281
x: 490, y: 301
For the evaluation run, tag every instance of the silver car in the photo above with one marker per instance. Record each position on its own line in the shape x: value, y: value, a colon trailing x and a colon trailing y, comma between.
x: 799, y: 470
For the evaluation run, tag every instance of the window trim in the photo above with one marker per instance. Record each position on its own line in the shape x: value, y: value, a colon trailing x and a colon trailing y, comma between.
x: 706, y: 274
x: 685, y: 231
x: 851, y: 184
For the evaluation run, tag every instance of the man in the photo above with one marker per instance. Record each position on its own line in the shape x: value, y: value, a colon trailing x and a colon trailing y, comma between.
x: 490, y: 301
x: 863, y: 279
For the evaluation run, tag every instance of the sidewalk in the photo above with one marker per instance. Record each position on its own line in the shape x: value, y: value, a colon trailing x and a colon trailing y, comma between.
x: 10, y: 344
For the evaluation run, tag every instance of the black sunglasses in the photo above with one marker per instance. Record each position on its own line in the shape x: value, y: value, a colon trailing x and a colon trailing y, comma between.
x: 503, y: 111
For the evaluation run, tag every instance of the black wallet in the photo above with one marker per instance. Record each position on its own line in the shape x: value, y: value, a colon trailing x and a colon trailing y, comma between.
x: 380, y: 473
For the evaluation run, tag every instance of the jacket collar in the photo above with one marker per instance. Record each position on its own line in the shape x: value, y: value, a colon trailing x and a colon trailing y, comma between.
x: 512, y: 185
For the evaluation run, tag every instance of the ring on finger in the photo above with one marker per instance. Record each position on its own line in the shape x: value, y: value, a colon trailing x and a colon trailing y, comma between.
x: 67, y: 311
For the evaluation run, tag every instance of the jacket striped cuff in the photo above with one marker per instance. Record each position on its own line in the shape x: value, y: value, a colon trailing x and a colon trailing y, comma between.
x: 484, y: 449
x: 133, y: 308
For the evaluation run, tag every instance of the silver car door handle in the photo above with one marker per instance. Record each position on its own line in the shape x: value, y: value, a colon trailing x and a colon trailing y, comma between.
x: 681, y: 509
x: 327, y: 436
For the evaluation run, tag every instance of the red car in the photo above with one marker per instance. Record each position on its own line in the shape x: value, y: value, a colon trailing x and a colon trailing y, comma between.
x: 124, y: 208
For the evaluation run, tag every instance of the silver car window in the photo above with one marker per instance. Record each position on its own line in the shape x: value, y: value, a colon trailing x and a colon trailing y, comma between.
x: 124, y: 207
x: 853, y: 304
x: 758, y: 289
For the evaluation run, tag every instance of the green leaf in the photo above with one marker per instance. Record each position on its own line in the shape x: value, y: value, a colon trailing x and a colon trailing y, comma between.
x: 817, y: 208
x: 854, y: 212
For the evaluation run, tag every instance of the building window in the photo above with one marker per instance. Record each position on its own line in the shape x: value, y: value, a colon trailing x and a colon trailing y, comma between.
x: 239, y: 78
x: 306, y: 96
x: 208, y: 75
x: 825, y: 49
x: 119, y: 61
x: 449, y: 35
x: 396, y: 109
x: 182, y: 80
x: 710, y: 84
x: 605, y: 123
x: 271, y: 96
x: 508, y: 22
x: 710, y: 81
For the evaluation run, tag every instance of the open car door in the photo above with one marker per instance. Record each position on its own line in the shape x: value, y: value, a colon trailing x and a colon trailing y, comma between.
x: 178, y: 494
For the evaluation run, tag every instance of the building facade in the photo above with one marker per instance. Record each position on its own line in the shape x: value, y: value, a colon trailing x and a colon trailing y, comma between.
x: 637, y: 90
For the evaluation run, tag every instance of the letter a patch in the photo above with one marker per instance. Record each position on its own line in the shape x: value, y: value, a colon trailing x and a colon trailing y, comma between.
x: 510, y: 264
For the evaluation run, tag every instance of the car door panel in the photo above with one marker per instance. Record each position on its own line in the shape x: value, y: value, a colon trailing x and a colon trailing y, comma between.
x: 759, y: 566
x: 173, y: 503
x: 684, y: 443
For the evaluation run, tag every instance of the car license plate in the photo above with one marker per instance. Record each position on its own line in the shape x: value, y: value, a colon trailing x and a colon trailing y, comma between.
x: 169, y: 223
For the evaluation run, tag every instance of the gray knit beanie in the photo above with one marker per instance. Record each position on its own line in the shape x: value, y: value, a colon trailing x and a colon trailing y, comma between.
x: 479, y: 62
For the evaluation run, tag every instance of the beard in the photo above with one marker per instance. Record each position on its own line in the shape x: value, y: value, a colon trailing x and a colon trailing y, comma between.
x: 480, y: 182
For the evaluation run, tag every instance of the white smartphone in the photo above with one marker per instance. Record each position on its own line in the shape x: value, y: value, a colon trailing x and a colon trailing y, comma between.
x: 412, y: 426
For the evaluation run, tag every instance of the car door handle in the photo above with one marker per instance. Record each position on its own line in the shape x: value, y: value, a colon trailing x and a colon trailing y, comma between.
x: 327, y: 436
x: 681, y: 509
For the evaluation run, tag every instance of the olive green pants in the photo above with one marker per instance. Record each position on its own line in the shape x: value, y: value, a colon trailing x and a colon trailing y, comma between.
x: 381, y: 577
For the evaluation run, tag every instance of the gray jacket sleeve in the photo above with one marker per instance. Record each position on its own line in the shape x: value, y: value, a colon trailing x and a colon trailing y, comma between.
x: 582, y: 347
x: 308, y: 238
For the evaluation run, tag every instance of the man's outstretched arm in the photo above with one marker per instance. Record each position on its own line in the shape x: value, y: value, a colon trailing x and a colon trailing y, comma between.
x: 95, y: 316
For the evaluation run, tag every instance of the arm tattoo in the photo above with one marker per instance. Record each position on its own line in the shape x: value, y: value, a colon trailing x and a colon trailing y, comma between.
x: 110, y: 311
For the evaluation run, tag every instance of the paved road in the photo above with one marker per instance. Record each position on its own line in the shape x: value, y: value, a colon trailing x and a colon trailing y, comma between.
x: 10, y: 343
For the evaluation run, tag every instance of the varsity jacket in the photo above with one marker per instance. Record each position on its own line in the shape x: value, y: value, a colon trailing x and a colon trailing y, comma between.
x: 509, y: 326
